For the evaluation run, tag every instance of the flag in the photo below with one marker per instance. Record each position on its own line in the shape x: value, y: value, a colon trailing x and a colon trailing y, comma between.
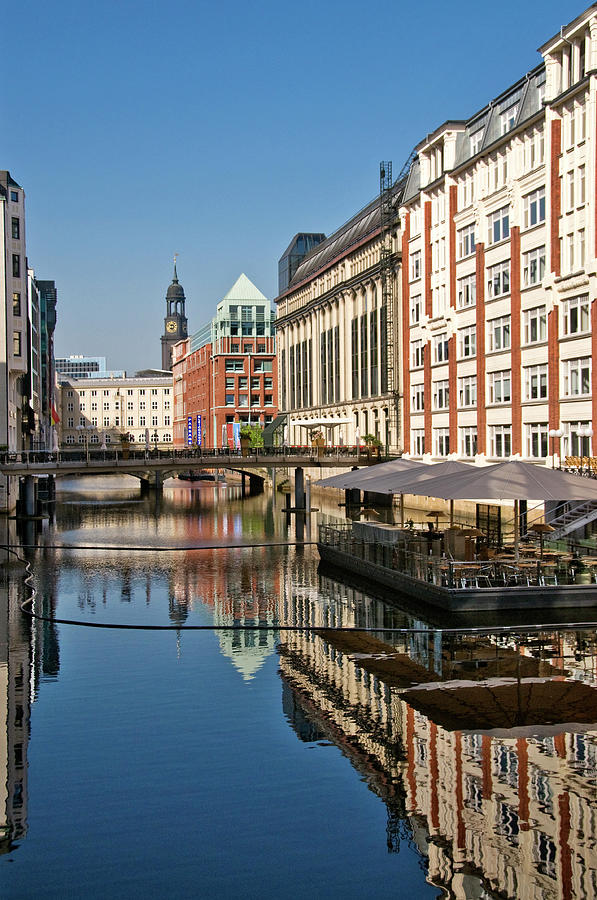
x: 55, y: 416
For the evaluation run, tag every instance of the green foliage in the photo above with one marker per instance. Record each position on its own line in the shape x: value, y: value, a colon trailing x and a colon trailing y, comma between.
x: 371, y: 440
x: 254, y: 433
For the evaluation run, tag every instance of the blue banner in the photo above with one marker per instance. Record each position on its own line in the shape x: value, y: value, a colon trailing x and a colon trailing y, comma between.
x: 199, y: 431
x: 236, y: 435
x: 190, y: 430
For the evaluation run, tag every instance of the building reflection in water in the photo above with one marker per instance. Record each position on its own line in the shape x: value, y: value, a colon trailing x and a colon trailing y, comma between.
x: 16, y: 688
x: 495, y: 812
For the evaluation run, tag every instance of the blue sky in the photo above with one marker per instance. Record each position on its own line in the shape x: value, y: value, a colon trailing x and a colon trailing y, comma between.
x: 219, y: 130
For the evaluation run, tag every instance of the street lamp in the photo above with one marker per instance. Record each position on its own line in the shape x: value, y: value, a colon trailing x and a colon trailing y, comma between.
x: 83, y: 430
x: 585, y: 431
x: 555, y: 433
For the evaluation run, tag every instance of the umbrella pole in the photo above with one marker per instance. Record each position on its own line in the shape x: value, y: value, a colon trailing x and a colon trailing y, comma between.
x: 402, y: 510
x: 451, y: 513
x: 516, y: 530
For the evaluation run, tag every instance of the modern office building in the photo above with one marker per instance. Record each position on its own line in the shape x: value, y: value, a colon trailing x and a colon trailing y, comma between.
x: 86, y: 367
x: 102, y: 411
x: 175, y: 321
x: 225, y: 373
x: 496, y: 316
x: 47, y: 323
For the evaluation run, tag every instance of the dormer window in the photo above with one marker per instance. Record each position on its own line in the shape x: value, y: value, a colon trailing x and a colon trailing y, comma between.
x: 507, y: 119
x: 476, y: 139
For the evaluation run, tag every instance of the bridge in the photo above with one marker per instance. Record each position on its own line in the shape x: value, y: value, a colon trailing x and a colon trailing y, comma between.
x: 152, y: 467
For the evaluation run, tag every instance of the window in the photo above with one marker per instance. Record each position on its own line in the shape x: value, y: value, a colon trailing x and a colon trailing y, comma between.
x: 129, y: 420
x: 255, y: 384
x: 467, y: 391
x: 142, y: 421
x: 415, y: 309
x: 154, y: 392
x: 166, y: 420
x: 581, y: 248
x: 234, y: 348
x: 467, y: 342
x: 107, y: 393
x: 498, y: 280
x: 533, y: 266
x: 500, y: 438
x: 16, y: 265
x: 94, y: 421
x: 535, y: 382
x: 129, y: 392
x: 441, y: 394
x: 417, y: 397
x: 154, y: 420
x: 500, y: 386
x: 130, y: 404
x: 70, y: 438
x: 533, y: 206
x: 467, y: 291
x: 440, y: 347
x: 106, y: 421
x: 507, y: 119
x: 262, y: 366
x: 581, y: 186
x: 141, y: 392
x: 537, y: 440
x: 260, y: 348
x: 16, y: 304
x: 498, y: 225
x: 534, y: 150
x: 93, y: 405
x: 230, y: 384
x: 466, y: 241
x: 166, y: 391
x: 468, y: 440
x: 418, y: 441
x: 268, y: 383
x: 16, y: 228
x: 247, y: 348
x: 535, y: 325
x: 229, y: 399
x: 570, y: 178
x: 16, y: 343
x: 417, y: 353
x: 441, y: 441
x: 82, y: 407
x: 576, y: 377
x: 499, y: 333
x: 243, y: 382
x: 415, y: 265
x: 576, y: 318
x: 234, y: 365
x: 154, y: 404
x: 14, y: 196
x: 106, y: 406
x: 94, y: 393
x: 243, y: 400
x: 70, y: 406
x: 475, y: 139
x: 70, y: 422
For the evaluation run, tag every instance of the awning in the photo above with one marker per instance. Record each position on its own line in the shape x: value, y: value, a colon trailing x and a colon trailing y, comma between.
x: 319, y: 423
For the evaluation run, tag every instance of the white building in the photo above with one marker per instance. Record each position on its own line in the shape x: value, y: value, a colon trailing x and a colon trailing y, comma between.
x: 496, y: 300
x: 96, y: 411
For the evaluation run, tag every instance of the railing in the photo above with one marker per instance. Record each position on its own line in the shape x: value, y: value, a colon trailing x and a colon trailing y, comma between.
x: 450, y: 573
x: 195, y: 455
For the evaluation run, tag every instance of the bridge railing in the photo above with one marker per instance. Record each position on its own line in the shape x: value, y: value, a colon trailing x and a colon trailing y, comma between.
x: 195, y: 455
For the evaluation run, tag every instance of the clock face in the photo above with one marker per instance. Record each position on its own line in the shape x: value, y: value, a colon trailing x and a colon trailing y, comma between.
x: 170, y: 326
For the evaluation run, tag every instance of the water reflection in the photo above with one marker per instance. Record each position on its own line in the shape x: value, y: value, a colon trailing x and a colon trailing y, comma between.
x: 483, y: 749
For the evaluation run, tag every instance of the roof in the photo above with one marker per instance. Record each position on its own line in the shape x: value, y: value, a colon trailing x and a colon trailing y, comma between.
x: 244, y: 289
x: 365, y: 222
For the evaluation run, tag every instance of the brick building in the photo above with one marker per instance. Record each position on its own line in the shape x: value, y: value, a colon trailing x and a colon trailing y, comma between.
x: 226, y: 372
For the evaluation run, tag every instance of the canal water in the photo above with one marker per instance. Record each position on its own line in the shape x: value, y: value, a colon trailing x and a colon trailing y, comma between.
x: 248, y: 760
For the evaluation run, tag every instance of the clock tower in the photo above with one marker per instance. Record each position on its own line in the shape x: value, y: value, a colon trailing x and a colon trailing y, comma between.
x: 175, y: 323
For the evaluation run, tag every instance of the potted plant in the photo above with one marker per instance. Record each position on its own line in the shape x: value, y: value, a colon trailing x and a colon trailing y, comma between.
x: 373, y: 445
x: 251, y: 436
x: 125, y: 445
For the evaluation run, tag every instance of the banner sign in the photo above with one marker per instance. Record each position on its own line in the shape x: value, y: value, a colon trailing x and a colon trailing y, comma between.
x: 236, y: 435
x: 190, y: 430
x: 199, y: 431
